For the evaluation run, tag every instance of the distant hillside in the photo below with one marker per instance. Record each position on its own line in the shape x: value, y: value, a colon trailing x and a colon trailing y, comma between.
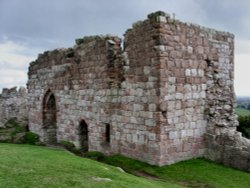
x: 243, y: 102
x: 242, y: 112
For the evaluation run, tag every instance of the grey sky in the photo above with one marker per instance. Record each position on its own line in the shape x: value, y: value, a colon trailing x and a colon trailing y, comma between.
x: 29, y: 27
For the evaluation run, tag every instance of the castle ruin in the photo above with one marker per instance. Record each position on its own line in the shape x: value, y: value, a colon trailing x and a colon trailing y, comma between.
x: 167, y: 95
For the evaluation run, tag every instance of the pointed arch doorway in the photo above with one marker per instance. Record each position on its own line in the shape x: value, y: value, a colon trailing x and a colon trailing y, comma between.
x: 83, y: 136
x: 49, y: 118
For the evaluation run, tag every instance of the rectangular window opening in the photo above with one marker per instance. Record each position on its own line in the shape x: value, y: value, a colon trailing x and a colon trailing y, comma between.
x: 107, y: 133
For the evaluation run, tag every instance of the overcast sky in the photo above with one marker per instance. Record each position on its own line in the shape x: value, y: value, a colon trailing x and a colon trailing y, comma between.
x: 29, y: 27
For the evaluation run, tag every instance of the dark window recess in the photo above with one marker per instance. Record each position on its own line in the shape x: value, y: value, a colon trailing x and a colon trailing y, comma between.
x: 49, y: 118
x: 209, y: 62
x: 107, y: 133
x: 83, y: 135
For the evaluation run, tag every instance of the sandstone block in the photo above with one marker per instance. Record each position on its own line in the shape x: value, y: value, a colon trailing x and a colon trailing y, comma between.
x: 150, y: 122
x: 173, y: 135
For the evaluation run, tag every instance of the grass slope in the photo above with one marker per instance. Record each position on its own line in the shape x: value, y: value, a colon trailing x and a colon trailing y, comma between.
x: 201, y: 173
x: 242, y: 112
x: 33, y: 166
x: 192, y: 173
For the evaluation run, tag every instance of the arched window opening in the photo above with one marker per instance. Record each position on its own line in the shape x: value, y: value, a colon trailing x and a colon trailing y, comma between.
x: 51, y: 104
x: 49, y: 118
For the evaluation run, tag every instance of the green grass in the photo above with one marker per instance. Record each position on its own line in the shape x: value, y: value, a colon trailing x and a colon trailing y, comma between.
x: 26, y: 166
x: 192, y: 173
x: 201, y: 173
x: 242, y: 112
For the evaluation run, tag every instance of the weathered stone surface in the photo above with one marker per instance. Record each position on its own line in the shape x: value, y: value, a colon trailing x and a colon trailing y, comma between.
x: 19, y: 138
x: 166, y: 96
x: 13, y: 104
x: 230, y: 149
x: 13, y: 131
x: 170, y: 85
x: 5, y: 137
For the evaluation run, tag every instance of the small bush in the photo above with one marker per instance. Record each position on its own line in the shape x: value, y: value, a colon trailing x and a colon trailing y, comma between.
x: 244, y: 126
x: 16, y: 132
x: 67, y: 145
x: 129, y: 164
x: 70, y: 147
x: 95, y: 155
x: 31, y: 138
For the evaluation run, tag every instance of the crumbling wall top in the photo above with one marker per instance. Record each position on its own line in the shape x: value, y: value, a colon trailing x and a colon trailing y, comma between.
x: 62, y: 55
x: 96, y: 38
x: 13, y: 92
x: 160, y: 17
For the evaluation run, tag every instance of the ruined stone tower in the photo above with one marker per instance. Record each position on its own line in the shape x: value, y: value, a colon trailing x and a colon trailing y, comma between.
x: 166, y: 96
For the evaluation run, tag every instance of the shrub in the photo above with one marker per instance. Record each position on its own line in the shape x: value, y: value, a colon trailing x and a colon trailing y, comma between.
x: 31, y: 138
x: 15, y: 132
x: 70, y: 147
x: 95, y: 155
x: 67, y: 145
x: 244, y: 126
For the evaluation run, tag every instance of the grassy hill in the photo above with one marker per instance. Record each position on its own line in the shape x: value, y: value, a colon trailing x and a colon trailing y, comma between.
x: 198, y: 173
x: 33, y: 166
x: 242, y: 112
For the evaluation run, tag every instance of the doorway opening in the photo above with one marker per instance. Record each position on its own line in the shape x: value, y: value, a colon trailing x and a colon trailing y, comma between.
x: 49, y: 118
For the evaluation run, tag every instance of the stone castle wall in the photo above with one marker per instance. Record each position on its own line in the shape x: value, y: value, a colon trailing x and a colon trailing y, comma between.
x: 166, y: 96
x: 13, y: 105
x: 182, y: 51
x: 80, y: 79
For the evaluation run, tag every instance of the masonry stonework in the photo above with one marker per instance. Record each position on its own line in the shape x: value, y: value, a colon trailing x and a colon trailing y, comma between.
x: 167, y: 95
x: 13, y: 105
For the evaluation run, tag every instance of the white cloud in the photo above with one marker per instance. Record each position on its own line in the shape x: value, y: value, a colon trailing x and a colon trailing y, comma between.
x: 14, y: 63
x: 242, y: 46
x: 242, y: 67
x: 12, y: 55
x: 12, y: 77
